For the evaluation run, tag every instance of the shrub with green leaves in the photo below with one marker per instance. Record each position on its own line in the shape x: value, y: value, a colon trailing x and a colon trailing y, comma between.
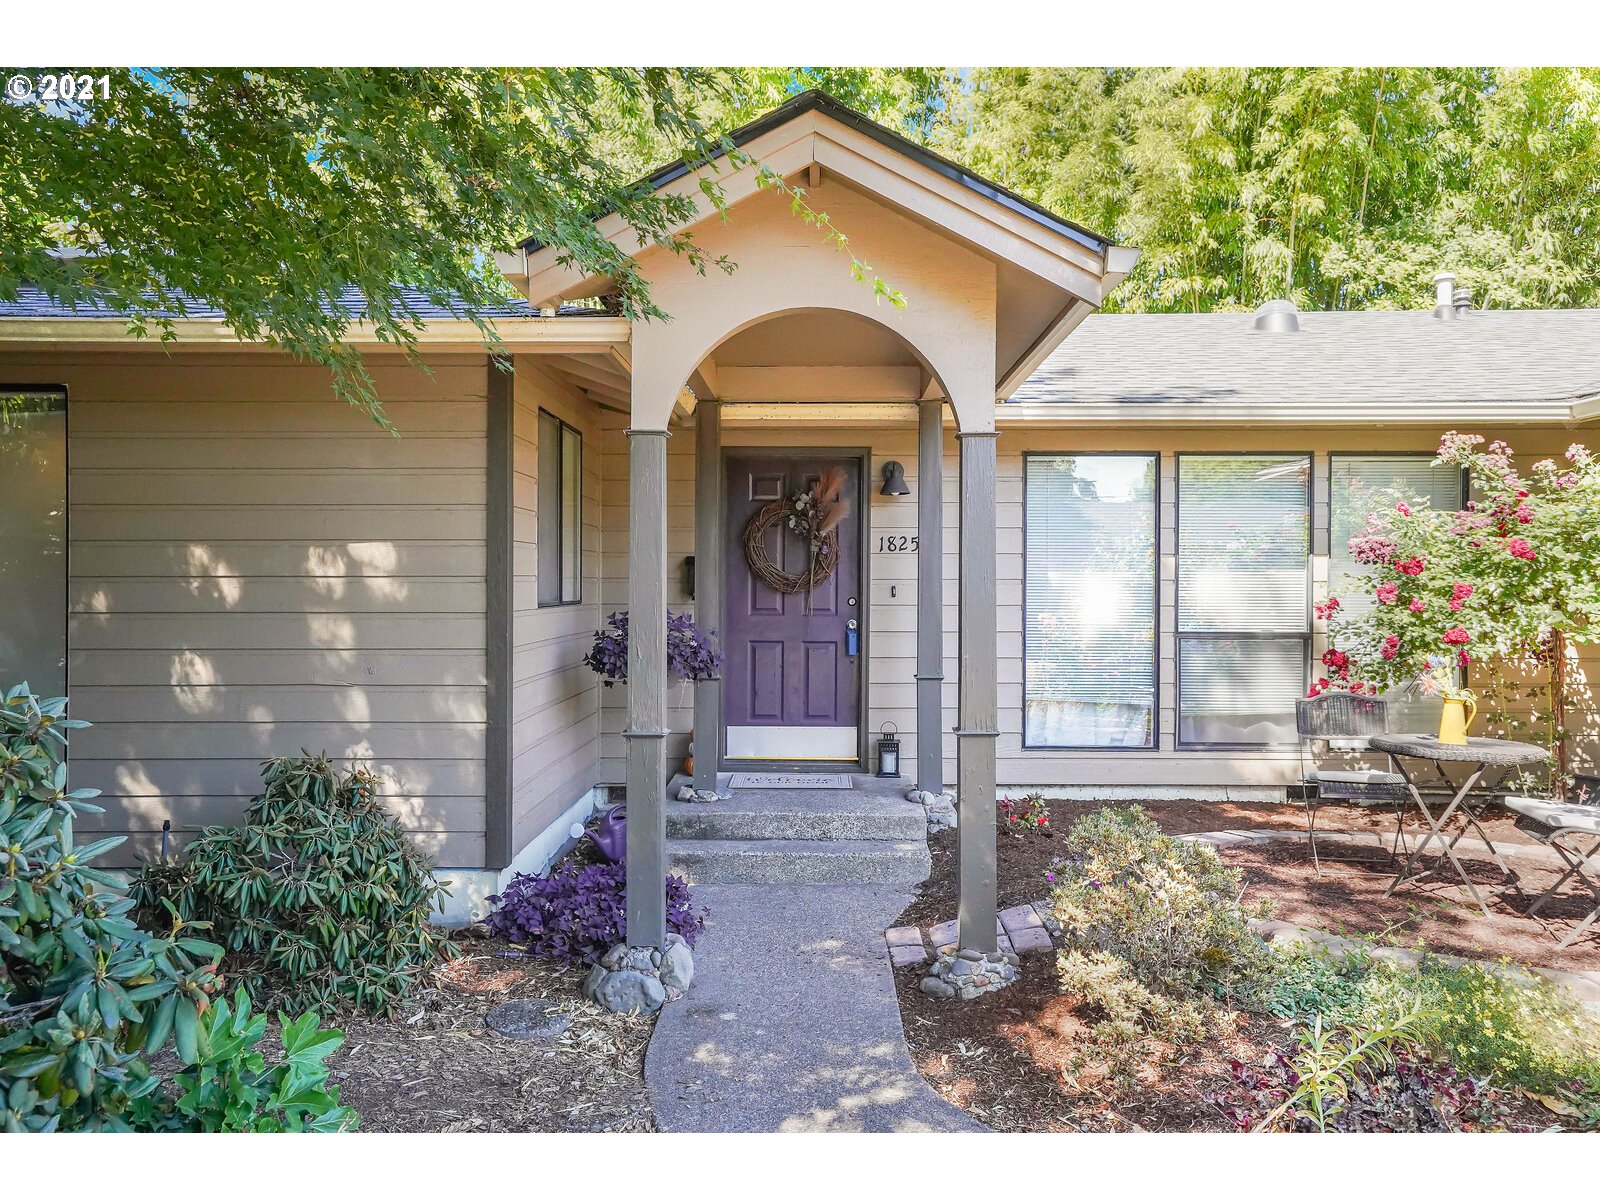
x: 1169, y: 909
x: 1128, y: 1008
x: 1511, y: 1027
x: 229, y: 1088
x: 319, y: 897
x: 86, y: 995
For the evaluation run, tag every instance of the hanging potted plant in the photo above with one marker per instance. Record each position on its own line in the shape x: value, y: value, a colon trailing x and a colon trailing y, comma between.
x: 692, y: 653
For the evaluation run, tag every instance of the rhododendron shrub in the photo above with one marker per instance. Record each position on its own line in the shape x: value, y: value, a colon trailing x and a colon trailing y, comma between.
x: 1502, y: 586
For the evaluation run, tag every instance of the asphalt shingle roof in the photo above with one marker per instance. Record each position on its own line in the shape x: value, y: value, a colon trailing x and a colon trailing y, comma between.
x: 1343, y: 357
x: 31, y: 302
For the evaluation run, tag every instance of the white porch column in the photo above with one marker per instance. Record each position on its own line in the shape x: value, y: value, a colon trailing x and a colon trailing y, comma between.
x: 930, y: 596
x: 978, y: 721
x: 708, y: 535
x: 647, y: 686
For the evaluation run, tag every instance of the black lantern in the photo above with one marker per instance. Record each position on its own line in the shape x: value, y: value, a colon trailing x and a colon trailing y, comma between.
x: 889, y: 752
x: 894, y: 480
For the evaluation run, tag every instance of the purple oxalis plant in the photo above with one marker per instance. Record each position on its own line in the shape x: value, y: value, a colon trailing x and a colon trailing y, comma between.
x: 579, y: 911
x: 692, y: 653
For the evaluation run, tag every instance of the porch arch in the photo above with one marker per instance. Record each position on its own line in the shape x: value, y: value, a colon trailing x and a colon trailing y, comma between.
x: 956, y: 349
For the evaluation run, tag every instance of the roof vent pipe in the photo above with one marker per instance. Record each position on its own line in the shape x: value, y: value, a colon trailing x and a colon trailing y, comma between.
x: 1444, y: 296
x: 1463, y: 300
x: 1278, y: 316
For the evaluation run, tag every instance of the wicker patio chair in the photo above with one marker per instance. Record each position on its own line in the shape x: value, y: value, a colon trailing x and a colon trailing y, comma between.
x: 1572, y: 830
x: 1337, y: 722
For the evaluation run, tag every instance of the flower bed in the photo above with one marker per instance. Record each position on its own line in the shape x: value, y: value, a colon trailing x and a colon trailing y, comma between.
x: 1038, y: 1057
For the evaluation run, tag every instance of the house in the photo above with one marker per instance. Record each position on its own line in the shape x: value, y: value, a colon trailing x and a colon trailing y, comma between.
x: 1081, y: 550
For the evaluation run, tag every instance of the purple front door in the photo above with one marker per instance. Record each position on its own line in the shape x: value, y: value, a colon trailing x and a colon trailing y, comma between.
x: 792, y: 690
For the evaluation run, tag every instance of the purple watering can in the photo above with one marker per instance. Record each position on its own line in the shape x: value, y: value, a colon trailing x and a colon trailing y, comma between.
x: 610, y: 834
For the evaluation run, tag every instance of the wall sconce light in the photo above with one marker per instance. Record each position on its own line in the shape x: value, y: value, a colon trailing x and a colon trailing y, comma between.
x: 894, y: 480
x: 688, y: 575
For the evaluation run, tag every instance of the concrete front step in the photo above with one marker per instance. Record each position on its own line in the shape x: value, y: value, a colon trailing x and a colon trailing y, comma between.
x: 736, y: 819
x: 783, y: 860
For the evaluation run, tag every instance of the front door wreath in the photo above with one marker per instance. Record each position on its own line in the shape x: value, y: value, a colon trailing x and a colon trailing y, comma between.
x: 814, y: 515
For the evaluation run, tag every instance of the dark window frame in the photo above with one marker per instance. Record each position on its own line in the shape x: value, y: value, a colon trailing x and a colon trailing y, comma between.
x: 1154, y: 744
x: 562, y: 428
x: 1179, y: 636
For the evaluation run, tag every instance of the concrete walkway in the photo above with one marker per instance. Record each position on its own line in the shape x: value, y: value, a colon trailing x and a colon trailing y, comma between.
x: 792, y: 1024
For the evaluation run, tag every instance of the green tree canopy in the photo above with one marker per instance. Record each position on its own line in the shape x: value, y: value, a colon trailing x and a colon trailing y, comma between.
x: 268, y: 193
x: 1337, y: 187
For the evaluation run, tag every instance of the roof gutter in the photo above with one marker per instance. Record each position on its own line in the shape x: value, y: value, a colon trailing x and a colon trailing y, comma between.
x: 526, y: 334
x: 1203, y: 413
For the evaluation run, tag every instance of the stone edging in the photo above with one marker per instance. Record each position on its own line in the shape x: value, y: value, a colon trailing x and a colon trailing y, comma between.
x: 1030, y: 929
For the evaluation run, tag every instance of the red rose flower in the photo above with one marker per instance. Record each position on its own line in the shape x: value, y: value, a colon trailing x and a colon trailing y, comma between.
x: 1387, y: 593
x: 1410, y: 566
x: 1520, y: 549
x: 1457, y: 636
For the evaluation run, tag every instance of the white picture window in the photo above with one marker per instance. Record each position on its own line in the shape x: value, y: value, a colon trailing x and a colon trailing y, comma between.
x: 1363, y: 483
x: 1089, y: 645
x: 1244, y: 541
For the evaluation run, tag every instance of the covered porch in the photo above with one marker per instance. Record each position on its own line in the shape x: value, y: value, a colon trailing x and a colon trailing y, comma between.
x: 788, y: 358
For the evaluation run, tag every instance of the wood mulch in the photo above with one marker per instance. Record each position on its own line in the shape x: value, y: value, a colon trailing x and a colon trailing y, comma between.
x: 1022, y: 1059
x: 436, y: 1067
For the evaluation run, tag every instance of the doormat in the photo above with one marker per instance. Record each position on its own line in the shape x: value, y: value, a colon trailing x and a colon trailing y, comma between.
x: 794, y: 783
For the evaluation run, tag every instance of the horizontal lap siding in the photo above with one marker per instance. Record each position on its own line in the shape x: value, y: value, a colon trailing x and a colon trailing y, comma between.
x: 257, y: 568
x: 892, y: 620
x: 891, y: 625
x: 555, y: 724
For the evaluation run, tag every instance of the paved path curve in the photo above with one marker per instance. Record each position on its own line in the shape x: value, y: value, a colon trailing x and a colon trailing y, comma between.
x: 792, y: 1024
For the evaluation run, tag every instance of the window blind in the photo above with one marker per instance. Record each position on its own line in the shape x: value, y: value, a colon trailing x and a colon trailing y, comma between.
x: 1363, y: 483
x: 1244, y: 541
x: 1089, y: 645
x: 1244, y: 534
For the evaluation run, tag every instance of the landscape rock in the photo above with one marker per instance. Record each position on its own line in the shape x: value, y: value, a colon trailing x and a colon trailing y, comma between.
x: 964, y: 977
x: 625, y: 991
x: 677, y: 965
x: 528, y: 1020
x: 640, y: 979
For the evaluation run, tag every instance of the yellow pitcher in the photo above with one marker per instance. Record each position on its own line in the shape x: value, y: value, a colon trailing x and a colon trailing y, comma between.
x: 1456, y: 718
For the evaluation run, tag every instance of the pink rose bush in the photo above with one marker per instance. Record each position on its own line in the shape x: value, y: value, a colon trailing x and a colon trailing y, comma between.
x: 1515, y: 575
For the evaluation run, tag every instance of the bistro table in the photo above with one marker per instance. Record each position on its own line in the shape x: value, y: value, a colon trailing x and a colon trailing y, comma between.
x: 1479, y: 755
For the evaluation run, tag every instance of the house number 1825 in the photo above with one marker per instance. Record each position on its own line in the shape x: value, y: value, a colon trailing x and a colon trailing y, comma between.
x: 897, y: 544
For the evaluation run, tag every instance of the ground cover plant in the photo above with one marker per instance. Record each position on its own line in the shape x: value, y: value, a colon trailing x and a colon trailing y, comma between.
x: 319, y: 897
x: 1510, y: 1028
x: 1373, y: 1079
x: 579, y: 910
